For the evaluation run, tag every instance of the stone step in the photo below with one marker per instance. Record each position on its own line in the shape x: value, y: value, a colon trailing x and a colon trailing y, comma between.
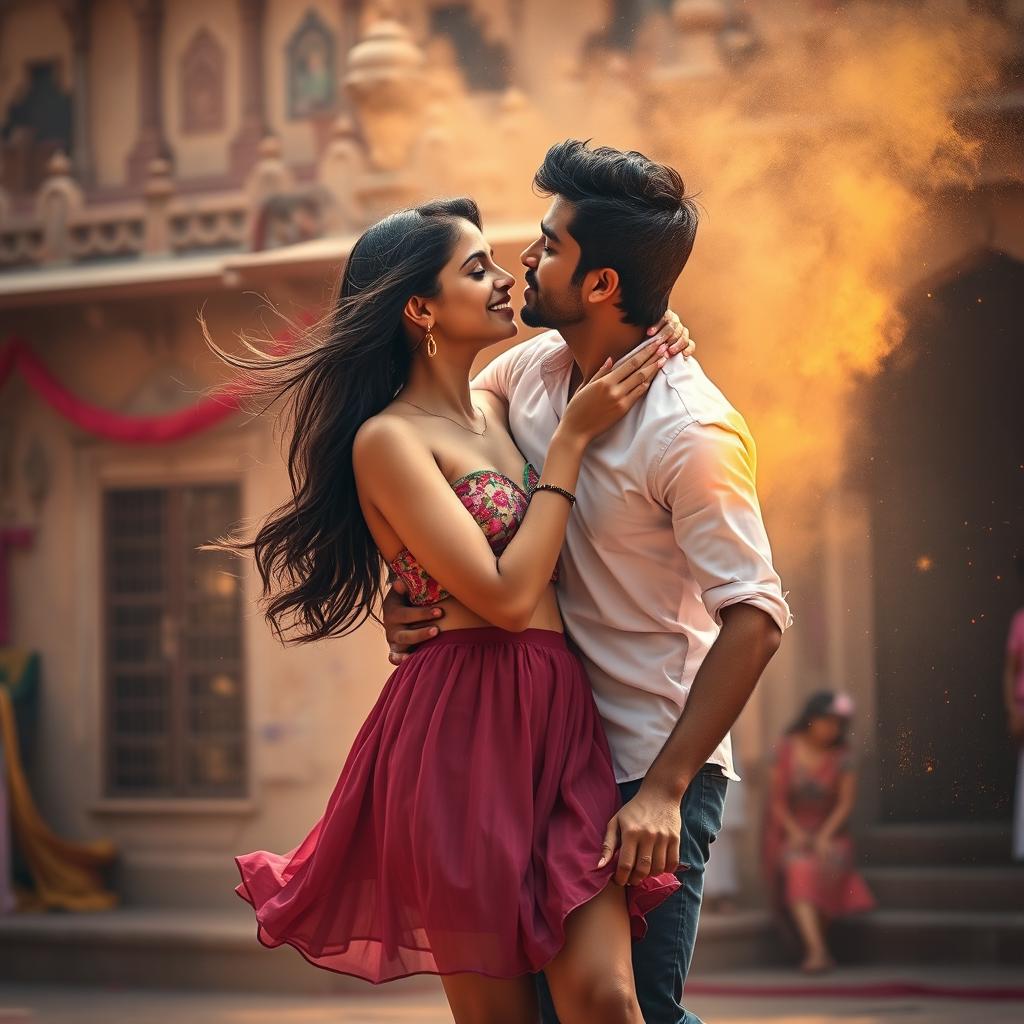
x: 947, y: 888
x: 159, y: 948
x: 205, y: 950
x: 932, y: 936
x: 217, y: 949
x: 935, y: 844
x: 742, y: 938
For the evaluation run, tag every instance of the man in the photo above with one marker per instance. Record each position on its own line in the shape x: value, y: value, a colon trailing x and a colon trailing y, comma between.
x: 667, y: 586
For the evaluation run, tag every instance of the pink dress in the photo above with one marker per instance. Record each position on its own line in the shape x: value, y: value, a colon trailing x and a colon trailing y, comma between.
x: 830, y: 881
x: 1015, y: 646
x: 468, y: 819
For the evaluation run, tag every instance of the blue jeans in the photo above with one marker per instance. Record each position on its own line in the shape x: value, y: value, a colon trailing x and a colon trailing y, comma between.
x: 661, y: 960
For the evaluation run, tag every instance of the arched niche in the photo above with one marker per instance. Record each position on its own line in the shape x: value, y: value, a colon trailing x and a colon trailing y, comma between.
x: 202, y: 85
x: 311, y: 68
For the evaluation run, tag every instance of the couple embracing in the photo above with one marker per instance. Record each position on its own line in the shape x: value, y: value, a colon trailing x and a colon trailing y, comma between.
x: 583, y: 602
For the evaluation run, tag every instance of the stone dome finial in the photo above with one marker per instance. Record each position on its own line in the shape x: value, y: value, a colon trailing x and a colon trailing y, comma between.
x: 158, y: 178
x: 386, y: 49
x: 58, y: 166
x: 384, y: 82
x: 57, y: 203
x: 269, y: 148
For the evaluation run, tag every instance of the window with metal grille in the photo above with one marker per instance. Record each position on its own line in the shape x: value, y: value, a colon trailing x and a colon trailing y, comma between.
x: 175, y: 694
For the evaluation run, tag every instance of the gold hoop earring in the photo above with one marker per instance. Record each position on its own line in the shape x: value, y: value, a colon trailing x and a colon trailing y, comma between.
x: 431, y: 344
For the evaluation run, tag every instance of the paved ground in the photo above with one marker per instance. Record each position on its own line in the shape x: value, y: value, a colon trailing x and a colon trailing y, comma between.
x: 56, y: 1005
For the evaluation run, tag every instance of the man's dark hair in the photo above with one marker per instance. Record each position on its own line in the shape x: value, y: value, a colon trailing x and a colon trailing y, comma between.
x: 630, y: 213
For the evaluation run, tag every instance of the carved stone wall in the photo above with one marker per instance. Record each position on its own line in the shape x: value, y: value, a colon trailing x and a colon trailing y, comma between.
x: 201, y: 75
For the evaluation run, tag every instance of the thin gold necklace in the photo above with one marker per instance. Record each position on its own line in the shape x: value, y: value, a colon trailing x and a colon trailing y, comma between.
x: 479, y: 433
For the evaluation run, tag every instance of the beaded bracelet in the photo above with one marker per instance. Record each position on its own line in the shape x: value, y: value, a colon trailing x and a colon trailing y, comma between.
x: 568, y: 495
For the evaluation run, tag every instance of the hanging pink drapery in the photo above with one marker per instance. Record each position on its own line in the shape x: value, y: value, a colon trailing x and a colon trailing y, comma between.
x: 172, y: 426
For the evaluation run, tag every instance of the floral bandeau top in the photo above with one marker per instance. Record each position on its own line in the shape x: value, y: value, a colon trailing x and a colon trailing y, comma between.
x: 497, y: 503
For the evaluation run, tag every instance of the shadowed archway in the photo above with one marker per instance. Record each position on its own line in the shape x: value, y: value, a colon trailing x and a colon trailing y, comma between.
x: 945, y: 471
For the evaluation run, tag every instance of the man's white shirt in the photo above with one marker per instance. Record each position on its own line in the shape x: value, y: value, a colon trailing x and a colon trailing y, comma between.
x: 666, y: 532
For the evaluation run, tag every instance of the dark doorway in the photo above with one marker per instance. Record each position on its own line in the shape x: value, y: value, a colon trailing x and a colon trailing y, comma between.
x: 484, y: 63
x: 946, y: 470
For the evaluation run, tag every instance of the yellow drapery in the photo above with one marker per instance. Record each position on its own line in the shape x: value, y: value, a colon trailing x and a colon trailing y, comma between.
x: 67, y: 875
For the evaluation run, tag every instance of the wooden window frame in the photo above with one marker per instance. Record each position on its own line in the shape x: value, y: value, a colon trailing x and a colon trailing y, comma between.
x: 174, y: 604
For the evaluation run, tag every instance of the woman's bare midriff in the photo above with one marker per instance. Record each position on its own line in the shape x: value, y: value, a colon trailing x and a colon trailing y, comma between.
x: 458, y: 616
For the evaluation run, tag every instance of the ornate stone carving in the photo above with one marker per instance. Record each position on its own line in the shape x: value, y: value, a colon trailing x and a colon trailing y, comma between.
x: 311, y: 80
x: 58, y: 201
x: 291, y: 217
x: 158, y: 191
x: 270, y: 175
x: 201, y: 72
x: 205, y: 225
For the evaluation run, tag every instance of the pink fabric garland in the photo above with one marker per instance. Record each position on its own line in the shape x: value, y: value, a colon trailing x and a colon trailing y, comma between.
x: 173, y: 426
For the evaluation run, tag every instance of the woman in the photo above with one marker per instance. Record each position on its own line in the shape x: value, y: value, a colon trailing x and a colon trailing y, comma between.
x: 1013, y: 692
x: 464, y: 834
x: 808, y: 850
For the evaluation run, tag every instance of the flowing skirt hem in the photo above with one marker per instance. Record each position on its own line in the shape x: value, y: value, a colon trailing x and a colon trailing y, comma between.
x: 641, y: 899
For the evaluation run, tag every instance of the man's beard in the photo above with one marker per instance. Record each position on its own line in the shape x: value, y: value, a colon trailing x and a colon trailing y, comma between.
x: 540, y: 313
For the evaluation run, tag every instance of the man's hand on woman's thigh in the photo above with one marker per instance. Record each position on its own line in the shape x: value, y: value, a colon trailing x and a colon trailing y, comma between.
x: 646, y: 831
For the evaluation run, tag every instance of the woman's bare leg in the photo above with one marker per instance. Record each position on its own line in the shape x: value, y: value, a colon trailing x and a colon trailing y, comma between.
x: 475, y: 999
x: 808, y: 923
x: 591, y: 978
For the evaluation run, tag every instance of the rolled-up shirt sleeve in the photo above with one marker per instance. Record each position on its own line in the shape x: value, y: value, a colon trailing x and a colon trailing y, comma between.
x: 706, y: 479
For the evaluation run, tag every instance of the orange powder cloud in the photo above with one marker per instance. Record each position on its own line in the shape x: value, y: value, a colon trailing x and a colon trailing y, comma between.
x: 817, y: 161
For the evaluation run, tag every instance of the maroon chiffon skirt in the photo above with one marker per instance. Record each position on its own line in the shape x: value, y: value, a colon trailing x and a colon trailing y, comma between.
x: 466, y: 825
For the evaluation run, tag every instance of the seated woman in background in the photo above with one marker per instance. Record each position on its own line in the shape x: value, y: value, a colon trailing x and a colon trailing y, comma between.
x: 808, y: 851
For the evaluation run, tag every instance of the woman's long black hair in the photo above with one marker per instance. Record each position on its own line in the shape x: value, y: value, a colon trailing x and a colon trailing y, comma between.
x: 321, y: 571
x: 819, y: 705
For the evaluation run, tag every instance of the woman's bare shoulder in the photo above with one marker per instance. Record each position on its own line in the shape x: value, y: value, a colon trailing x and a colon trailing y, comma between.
x: 385, y: 433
